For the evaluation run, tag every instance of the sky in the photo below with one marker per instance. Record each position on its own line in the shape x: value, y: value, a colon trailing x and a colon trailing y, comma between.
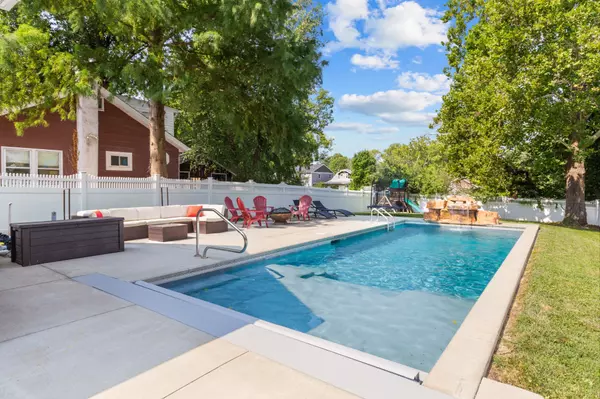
x: 385, y: 70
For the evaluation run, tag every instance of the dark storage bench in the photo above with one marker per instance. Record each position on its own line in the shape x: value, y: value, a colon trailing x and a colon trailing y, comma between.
x: 41, y: 242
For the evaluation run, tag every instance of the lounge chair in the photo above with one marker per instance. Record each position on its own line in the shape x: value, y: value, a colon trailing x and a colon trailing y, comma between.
x: 319, y: 206
x: 316, y: 212
x: 259, y: 216
x: 235, y: 216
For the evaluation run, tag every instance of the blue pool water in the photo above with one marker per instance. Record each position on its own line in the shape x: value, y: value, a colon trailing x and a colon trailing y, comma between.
x: 400, y: 295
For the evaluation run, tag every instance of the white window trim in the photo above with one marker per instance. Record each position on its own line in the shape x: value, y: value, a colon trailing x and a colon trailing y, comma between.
x: 101, y: 104
x: 33, y: 158
x: 127, y: 168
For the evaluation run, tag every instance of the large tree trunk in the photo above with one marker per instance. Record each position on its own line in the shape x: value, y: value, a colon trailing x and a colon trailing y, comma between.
x: 575, y: 212
x: 158, y: 157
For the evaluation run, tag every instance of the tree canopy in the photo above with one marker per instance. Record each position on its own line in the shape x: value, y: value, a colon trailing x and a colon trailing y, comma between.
x: 422, y: 162
x: 525, y: 95
x: 247, y: 72
x: 337, y: 162
x: 364, y: 168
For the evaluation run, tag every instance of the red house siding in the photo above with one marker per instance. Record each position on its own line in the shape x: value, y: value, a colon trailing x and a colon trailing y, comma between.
x: 119, y: 132
x: 57, y: 136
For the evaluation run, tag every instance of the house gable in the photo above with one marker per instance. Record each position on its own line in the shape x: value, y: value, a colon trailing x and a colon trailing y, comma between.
x: 119, y: 133
x: 323, y: 169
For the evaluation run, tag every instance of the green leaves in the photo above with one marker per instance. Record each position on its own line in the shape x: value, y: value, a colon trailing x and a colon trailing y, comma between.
x: 33, y: 73
x: 525, y: 78
x: 422, y: 162
x: 364, y: 166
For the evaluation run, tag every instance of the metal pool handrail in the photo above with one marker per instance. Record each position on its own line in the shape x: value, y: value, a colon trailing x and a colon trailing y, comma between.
x: 218, y: 247
x: 380, y: 212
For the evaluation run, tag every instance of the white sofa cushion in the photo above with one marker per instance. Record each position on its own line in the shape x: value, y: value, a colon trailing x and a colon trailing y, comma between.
x: 127, y: 213
x: 148, y: 212
x: 211, y: 215
x: 173, y: 211
x: 93, y: 213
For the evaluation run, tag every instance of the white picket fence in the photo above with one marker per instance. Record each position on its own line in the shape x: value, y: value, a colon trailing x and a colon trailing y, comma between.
x: 36, y: 197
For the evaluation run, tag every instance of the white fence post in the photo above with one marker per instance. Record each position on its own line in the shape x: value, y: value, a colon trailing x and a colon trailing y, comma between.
x: 82, y: 176
x: 156, y: 186
x: 210, y: 189
x: 598, y: 212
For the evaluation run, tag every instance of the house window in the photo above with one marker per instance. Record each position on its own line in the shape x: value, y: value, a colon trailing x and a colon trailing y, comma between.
x: 119, y: 161
x: 100, y: 103
x: 31, y: 161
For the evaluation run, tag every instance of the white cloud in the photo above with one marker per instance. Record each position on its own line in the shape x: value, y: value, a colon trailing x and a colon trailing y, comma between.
x: 407, y: 24
x: 417, y: 60
x: 393, y: 106
x: 391, y: 101
x: 342, y: 17
x: 383, y: 28
x: 424, y: 82
x: 409, y: 118
x: 374, y: 62
x: 363, y: 128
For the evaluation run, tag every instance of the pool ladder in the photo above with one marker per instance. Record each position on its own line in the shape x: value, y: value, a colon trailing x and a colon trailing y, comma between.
x: 218, y: 247
x: 390, y: 220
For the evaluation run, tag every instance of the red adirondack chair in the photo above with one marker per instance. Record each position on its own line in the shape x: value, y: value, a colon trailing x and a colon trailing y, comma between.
x: 260, y: 204
x: 235, y: 216
x: 303, y: 208
x: 259, y: 216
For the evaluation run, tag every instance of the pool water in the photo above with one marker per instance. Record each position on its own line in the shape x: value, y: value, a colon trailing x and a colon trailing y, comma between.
x: 399, y: 295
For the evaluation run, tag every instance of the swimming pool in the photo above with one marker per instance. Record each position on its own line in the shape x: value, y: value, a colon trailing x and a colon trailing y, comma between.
x: 399, y: 295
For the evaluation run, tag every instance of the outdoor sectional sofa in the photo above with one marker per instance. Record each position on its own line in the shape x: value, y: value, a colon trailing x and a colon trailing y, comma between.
x: 138, y: 219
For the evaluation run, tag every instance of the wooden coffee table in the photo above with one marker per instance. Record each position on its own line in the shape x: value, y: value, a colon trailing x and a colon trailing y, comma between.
x: 167, y: 232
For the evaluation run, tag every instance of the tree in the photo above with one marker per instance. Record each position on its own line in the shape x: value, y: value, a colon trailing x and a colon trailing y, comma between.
x: 337, y: 162
x: 363, y: 169
x: 52, y: 51
x: 422, y: 162
x: 526, y: 78
x: 263, y: 112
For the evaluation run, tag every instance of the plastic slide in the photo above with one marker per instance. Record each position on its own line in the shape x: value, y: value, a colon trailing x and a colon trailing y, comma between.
x: 414, y: 206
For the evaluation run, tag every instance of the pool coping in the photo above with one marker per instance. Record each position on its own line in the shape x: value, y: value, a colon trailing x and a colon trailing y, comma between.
x: 465, y: 361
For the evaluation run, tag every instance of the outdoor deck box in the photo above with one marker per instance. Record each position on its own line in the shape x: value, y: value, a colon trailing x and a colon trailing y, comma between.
x: 42, y: 242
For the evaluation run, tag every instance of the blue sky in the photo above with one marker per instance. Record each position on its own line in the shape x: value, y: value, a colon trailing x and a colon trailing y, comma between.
x: 385, y: 70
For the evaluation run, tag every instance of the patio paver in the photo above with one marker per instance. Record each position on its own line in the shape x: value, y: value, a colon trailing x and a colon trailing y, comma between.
x: 15, y: 276
x: 35, y: 308
x: 82, y: 358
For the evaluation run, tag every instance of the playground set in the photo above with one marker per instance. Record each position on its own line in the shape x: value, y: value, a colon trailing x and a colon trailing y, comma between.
x: 394, y: 198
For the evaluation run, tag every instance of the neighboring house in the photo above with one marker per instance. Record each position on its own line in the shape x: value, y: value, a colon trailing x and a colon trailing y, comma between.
x: 316, y: 173
x: 341, y: 179
x: 110, y: 137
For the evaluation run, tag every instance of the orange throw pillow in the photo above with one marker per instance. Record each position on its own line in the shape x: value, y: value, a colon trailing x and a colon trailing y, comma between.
x: 193, y: 210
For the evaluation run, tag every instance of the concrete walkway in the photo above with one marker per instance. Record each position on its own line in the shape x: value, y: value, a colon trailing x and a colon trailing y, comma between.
x: 62, y: 338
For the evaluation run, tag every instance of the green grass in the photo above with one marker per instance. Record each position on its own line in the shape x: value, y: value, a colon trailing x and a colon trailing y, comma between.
x: 551, y: 344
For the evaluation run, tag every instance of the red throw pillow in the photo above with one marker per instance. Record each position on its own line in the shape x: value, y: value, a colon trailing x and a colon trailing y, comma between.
x: 193, y: 210
x: 98, y: 214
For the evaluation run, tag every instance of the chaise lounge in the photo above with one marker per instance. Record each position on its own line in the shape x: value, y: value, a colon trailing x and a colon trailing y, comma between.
x: 138, y: 219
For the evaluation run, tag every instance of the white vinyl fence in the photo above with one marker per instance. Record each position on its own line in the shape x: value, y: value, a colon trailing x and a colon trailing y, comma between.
x: 544, y: 211
x: 36, y: 197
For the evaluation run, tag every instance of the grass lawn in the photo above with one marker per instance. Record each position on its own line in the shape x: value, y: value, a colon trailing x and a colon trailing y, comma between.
x: 551, y: 344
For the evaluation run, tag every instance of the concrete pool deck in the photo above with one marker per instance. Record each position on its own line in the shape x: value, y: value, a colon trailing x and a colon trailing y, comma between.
x: 62, y: 338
